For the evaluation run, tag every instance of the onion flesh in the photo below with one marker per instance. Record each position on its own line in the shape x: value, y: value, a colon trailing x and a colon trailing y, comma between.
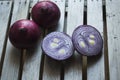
x: 58, y: 46
x: 87, y: 40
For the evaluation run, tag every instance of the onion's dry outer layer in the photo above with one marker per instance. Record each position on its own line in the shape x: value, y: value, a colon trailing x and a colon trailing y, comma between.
x: 24, y: 34
x: 46, y: 14
x: 58, y: 46
x: 87, y: 40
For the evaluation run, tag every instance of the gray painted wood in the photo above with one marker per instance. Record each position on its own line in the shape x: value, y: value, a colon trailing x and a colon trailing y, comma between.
x: 11, y: 63
x: 52, y: 69
x: 5, y: 8
x: 113, y: 33
x: 95, y: 67
x: 73, y: 68
x: 32, y: 58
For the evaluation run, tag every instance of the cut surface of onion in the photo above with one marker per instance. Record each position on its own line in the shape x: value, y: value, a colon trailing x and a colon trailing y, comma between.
x: 87, y: 40
x: 58, y: 46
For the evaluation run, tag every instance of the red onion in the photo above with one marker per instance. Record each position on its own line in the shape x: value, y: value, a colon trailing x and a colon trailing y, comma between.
x: 46, y: 14
x: 58, y: 46
x: 24, y: 33
x: 87, y: 40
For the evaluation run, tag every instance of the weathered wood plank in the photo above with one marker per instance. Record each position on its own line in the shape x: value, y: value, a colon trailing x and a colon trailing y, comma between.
x: 32, y: 59
x: 5, y: 8
x: 52, y: 69
x: 31, y: 67
x: 73, y: 69
x: 11, y: 63
x: 95, y: 70
x: 113, y: 33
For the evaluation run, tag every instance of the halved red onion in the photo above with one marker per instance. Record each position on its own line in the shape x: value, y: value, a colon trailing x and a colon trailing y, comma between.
x: 58, y: 46
x: 87, y: 40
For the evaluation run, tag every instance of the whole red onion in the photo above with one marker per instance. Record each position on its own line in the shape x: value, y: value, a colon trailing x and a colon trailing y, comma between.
x: 46, y: 14
x: 24, y: 34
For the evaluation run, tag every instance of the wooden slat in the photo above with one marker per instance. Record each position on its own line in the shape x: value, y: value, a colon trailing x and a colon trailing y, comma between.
x: 11, y: 63
x: 32, y: 59
x: 73, y: 68
x: 95, y: 70
x: 52, y: 69
x: 5, y: 8
x: 113, y: 32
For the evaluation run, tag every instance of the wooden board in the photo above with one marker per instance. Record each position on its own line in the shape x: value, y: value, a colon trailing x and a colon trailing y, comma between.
x: 32, y: 58
x: 5, y: 8
x: 52, y: 69
x: 113, y: 33
x: 73, y: 68
x: 11, y: 63
x: 95, y: 66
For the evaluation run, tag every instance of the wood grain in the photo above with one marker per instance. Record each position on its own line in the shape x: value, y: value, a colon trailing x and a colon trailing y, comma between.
x: 113, y: 33
x: 11, y: 63
x: 95, y: 70
x: 5, y: 8
x: 52, y: 68
x: 73, y: 68
x: 32, y: 58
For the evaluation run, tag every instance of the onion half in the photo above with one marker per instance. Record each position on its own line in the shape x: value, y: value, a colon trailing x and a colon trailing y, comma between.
x: 87, y: 40
x: 58, y: 46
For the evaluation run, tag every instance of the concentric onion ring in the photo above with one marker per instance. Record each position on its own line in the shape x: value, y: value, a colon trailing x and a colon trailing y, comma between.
x: 87, y: 40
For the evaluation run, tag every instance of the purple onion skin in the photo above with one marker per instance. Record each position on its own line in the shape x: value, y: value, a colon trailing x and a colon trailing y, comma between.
x: 46, y: 14
x: 24, y: 34
x: 93, y: 46
x: 65, y: 42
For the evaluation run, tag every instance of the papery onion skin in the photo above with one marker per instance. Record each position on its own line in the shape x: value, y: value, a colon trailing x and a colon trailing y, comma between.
x: 24, y: 34
x: 46, y: 14
x: 65, y: 44
x: 91, y: 46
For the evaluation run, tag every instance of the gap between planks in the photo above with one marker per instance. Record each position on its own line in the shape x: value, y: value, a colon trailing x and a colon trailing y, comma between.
x: 106, y: 60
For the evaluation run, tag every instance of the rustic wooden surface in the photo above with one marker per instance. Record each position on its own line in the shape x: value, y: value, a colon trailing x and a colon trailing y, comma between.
x: 113, y: 23
x: 32, y: 64
x: 5, y: 8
